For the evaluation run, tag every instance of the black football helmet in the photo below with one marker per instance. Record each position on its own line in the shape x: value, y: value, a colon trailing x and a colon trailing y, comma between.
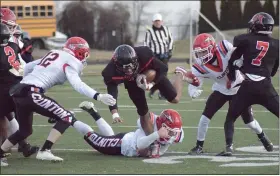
x: 261, y: 23
x: 126, y: 60
x: 4, y: 34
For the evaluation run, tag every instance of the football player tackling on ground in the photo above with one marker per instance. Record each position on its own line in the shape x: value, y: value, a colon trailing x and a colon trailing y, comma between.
x: 167, y: 129
x: 127, y: 66
x: 55, y: 68
x: 212, y: 63
x: 261, y: 62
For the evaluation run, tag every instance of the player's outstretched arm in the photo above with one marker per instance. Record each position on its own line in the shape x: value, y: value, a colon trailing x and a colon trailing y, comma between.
x: 84, y: 89
x: 144, y: 141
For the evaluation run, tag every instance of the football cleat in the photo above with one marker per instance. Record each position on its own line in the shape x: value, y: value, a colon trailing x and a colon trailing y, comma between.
x: 227, y: 152
x: 197, y: 150
x: 28, y: 150
x: 266, y: 143
x: 47, y: 155
x: 4, y: 162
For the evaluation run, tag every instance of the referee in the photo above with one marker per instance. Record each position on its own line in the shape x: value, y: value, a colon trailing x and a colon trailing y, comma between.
x: 159, y: 39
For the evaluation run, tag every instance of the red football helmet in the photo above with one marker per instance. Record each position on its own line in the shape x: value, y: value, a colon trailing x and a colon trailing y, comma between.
x: 8, y: 18
x: 170, y: 119
x: 77, y: 47
x: 204, y: 48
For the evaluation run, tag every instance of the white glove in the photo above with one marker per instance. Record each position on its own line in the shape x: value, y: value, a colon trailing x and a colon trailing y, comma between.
x: 238, y: 62
x: 106, y: 99
x: 18, y: 72
x: 196, y: 93
x: 142, y: 82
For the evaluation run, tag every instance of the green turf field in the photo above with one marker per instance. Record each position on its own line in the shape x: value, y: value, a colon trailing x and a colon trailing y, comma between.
x: 79, y: 158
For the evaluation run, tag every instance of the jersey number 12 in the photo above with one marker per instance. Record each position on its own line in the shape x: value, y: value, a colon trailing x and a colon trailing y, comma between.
x: 263, y: 46
x: 48, y: 59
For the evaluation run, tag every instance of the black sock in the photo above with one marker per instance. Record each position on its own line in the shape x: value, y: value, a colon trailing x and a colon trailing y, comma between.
x: 261, y: 135
x: 94, y: 114
x: 22, y: 144
x: 199, y: 143
x: 47, y: 145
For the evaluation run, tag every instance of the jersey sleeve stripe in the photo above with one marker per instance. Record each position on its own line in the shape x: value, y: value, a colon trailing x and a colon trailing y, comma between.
x: 223, y: 50
x: 64, y: 67
x: 147, y: 64
x: 199, y: 69
x: 224, y: 45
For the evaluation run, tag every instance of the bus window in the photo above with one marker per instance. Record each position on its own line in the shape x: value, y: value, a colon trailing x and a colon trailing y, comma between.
x: 27, y: 11
x: 42, y: 11
x: 50, y: 11
x: 12, y: 8
x: 35, y: 11
x: 19, y: 11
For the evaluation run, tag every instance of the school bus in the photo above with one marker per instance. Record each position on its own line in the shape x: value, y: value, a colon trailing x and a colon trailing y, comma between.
x: 37, y: 18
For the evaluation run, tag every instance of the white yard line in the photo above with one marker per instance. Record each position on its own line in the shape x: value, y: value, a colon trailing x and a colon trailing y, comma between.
x: 170, y: 152
x: 185, y: 127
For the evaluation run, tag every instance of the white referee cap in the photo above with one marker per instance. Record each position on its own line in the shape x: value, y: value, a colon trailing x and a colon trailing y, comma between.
x: 157, y: 16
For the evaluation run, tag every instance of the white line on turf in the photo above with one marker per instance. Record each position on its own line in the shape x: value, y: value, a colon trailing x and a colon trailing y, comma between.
x: 170, y: 152
x: 185, y: 127
x: 132, y: 108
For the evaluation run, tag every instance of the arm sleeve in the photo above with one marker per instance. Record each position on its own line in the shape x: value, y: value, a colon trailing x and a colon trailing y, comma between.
x: 30, y: 66
x: 78, y: 84
x: 144, y: 141
x: 147, y: 39
x: 275, y: 68
x: 170, y: 39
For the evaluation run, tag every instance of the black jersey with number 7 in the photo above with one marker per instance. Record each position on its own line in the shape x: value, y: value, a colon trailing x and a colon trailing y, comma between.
x: 260, y: 53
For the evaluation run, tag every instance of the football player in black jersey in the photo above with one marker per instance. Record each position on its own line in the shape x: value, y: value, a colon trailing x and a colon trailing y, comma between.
x: 10, y: 74
x: 261, y: 60
x: 127, y: 66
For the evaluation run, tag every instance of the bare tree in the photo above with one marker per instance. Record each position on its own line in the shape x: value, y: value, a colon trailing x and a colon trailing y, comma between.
x: 138, y: 16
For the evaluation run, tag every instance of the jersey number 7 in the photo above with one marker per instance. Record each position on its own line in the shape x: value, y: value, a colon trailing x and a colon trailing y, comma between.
x: 263, y: 46
x: 48, y: 59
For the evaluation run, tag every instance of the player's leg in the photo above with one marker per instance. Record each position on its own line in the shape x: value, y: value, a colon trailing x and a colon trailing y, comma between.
x: 108, y: 145
x: 270, y: 99
x: 171, y: 91
x: 104, y: 128
x: 137, y: 95
x: 25, y: 126
x: 23, y: 146
x: 254, y: 125
x: 239, y: 103
x: 215, y: 101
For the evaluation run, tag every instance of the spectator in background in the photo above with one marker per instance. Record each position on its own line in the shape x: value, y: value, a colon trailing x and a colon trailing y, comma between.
x: 159, y: 39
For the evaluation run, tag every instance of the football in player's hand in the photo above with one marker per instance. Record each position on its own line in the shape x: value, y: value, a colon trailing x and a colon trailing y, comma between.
x: 191, y: 79
x: 150, y: 75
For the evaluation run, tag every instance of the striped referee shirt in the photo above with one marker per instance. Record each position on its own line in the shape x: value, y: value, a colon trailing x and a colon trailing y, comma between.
x: 159, y: 40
